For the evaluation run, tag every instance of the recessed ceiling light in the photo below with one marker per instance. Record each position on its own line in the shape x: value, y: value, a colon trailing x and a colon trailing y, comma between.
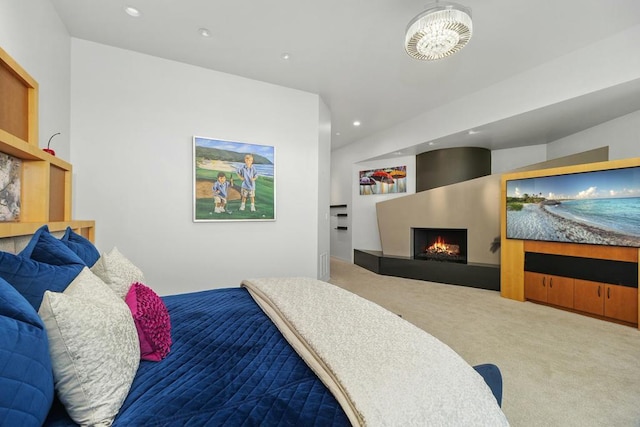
x: 337, y: 133
x: 357, y: 123
x: 472, y: 131
x: 204, y: 32
x: 286, y: 56
x: 432, y: 143
x: 132, y: 11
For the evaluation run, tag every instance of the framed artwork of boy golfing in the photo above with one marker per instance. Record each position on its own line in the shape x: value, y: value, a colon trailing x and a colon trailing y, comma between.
x: 233, y: 181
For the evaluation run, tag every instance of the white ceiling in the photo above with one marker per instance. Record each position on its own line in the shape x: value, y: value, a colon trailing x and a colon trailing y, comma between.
x: 351, y: 53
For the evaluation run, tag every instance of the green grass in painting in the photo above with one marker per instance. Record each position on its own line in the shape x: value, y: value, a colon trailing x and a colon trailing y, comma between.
x: 208, y: 174
x: 265, y: 200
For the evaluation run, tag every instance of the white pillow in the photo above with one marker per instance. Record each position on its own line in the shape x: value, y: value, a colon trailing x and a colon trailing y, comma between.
x: 94, y: 348
x: 117, y: 271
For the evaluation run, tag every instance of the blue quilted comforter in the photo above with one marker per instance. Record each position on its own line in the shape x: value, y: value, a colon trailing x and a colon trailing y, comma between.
x: 228, y: 365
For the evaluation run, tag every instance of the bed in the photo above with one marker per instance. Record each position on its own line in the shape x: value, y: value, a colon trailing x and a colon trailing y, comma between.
x: 84, y: 340
x: 272, y: 351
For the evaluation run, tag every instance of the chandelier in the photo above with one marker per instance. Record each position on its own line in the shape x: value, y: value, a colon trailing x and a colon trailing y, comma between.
x: 441, y: 30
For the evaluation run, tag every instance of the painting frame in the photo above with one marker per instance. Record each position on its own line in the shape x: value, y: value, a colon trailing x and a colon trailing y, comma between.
x: 224, y: 172
x: 389, y: 180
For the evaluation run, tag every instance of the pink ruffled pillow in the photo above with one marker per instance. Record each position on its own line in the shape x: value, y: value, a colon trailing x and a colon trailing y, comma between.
x: 152, y: 322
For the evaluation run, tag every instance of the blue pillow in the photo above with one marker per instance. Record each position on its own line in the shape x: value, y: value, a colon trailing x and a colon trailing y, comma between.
x: 26, y: 378
x: 45, y: 264
x: 31, y: 278
x: 81, y: 246
x: 44, y: 247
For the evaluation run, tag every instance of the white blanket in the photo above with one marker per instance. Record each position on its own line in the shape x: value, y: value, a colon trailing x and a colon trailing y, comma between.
x: 382, y: 369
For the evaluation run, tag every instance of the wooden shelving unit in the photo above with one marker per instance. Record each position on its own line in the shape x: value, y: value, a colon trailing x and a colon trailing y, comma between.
x: 45, y: 179
x: 569, y: 293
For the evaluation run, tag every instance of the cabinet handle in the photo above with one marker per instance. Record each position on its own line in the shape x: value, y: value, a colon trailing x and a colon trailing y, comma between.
x: 551, y: 282
x: 609, y: 293
x: 544, y: 279
x: 598, y: 291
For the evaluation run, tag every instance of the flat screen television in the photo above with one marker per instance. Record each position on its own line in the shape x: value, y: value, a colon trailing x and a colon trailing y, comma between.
x: 597, y: 208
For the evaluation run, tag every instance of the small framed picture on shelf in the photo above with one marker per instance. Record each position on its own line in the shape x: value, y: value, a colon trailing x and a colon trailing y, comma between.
x: 10, y: 172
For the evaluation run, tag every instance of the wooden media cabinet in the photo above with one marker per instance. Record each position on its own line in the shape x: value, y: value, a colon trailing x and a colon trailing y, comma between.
x: 595, y: 280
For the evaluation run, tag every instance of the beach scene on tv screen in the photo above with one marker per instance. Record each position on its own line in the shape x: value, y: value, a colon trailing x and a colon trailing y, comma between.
x: 598, y: 207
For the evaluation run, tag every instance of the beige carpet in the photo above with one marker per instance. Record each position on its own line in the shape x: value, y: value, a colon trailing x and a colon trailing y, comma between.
x: 559, y: 368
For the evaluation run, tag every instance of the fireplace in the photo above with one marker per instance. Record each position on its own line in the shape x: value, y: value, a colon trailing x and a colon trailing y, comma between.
x: 440, y: 244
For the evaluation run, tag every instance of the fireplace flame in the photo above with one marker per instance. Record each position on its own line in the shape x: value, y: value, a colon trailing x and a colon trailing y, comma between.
x: 442, y: 247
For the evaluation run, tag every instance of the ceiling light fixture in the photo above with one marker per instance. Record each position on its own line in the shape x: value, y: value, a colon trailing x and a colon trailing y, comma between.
x: 356, y: 123
x: 439, y: 31
x: 132, y: 11
x: 204, y: 32
x: 285, y: 56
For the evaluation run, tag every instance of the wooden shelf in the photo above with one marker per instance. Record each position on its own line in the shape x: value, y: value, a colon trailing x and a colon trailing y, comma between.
x: 11, y: 229
x: 45, y: 180
x: 19, y: 100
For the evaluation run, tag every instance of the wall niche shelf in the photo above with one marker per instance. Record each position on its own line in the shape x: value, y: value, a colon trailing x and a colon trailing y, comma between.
x: 340, y: 212
x: 341, y: 221
x: 50, y: 176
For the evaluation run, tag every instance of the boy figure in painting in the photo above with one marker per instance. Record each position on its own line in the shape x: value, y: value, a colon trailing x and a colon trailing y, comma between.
x: 220, y: 188
x: 248, y: 174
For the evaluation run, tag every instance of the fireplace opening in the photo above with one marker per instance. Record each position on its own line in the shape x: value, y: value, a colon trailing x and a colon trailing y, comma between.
x: 440, y: 244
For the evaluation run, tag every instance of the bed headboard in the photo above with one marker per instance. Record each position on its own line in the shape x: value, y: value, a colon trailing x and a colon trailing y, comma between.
x: 39, y: 190
x: 15, y: 244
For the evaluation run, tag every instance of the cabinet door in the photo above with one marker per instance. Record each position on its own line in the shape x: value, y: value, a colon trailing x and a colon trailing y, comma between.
x: 535, y: 286
x: 589, y: 296
x: 621, y: 302
x: 560, y: 291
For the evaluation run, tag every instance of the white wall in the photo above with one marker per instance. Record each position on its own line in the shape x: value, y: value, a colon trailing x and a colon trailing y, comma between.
x: 126, y: 105
x: 362, y: 220
x: 513, y: 158
x: 622, y: 135
x: 601, y: 65
x: 32, y: 33
x: 341, y: 184
x: 324, y: 199
x: 133, y: 119
x: 365, y: 228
